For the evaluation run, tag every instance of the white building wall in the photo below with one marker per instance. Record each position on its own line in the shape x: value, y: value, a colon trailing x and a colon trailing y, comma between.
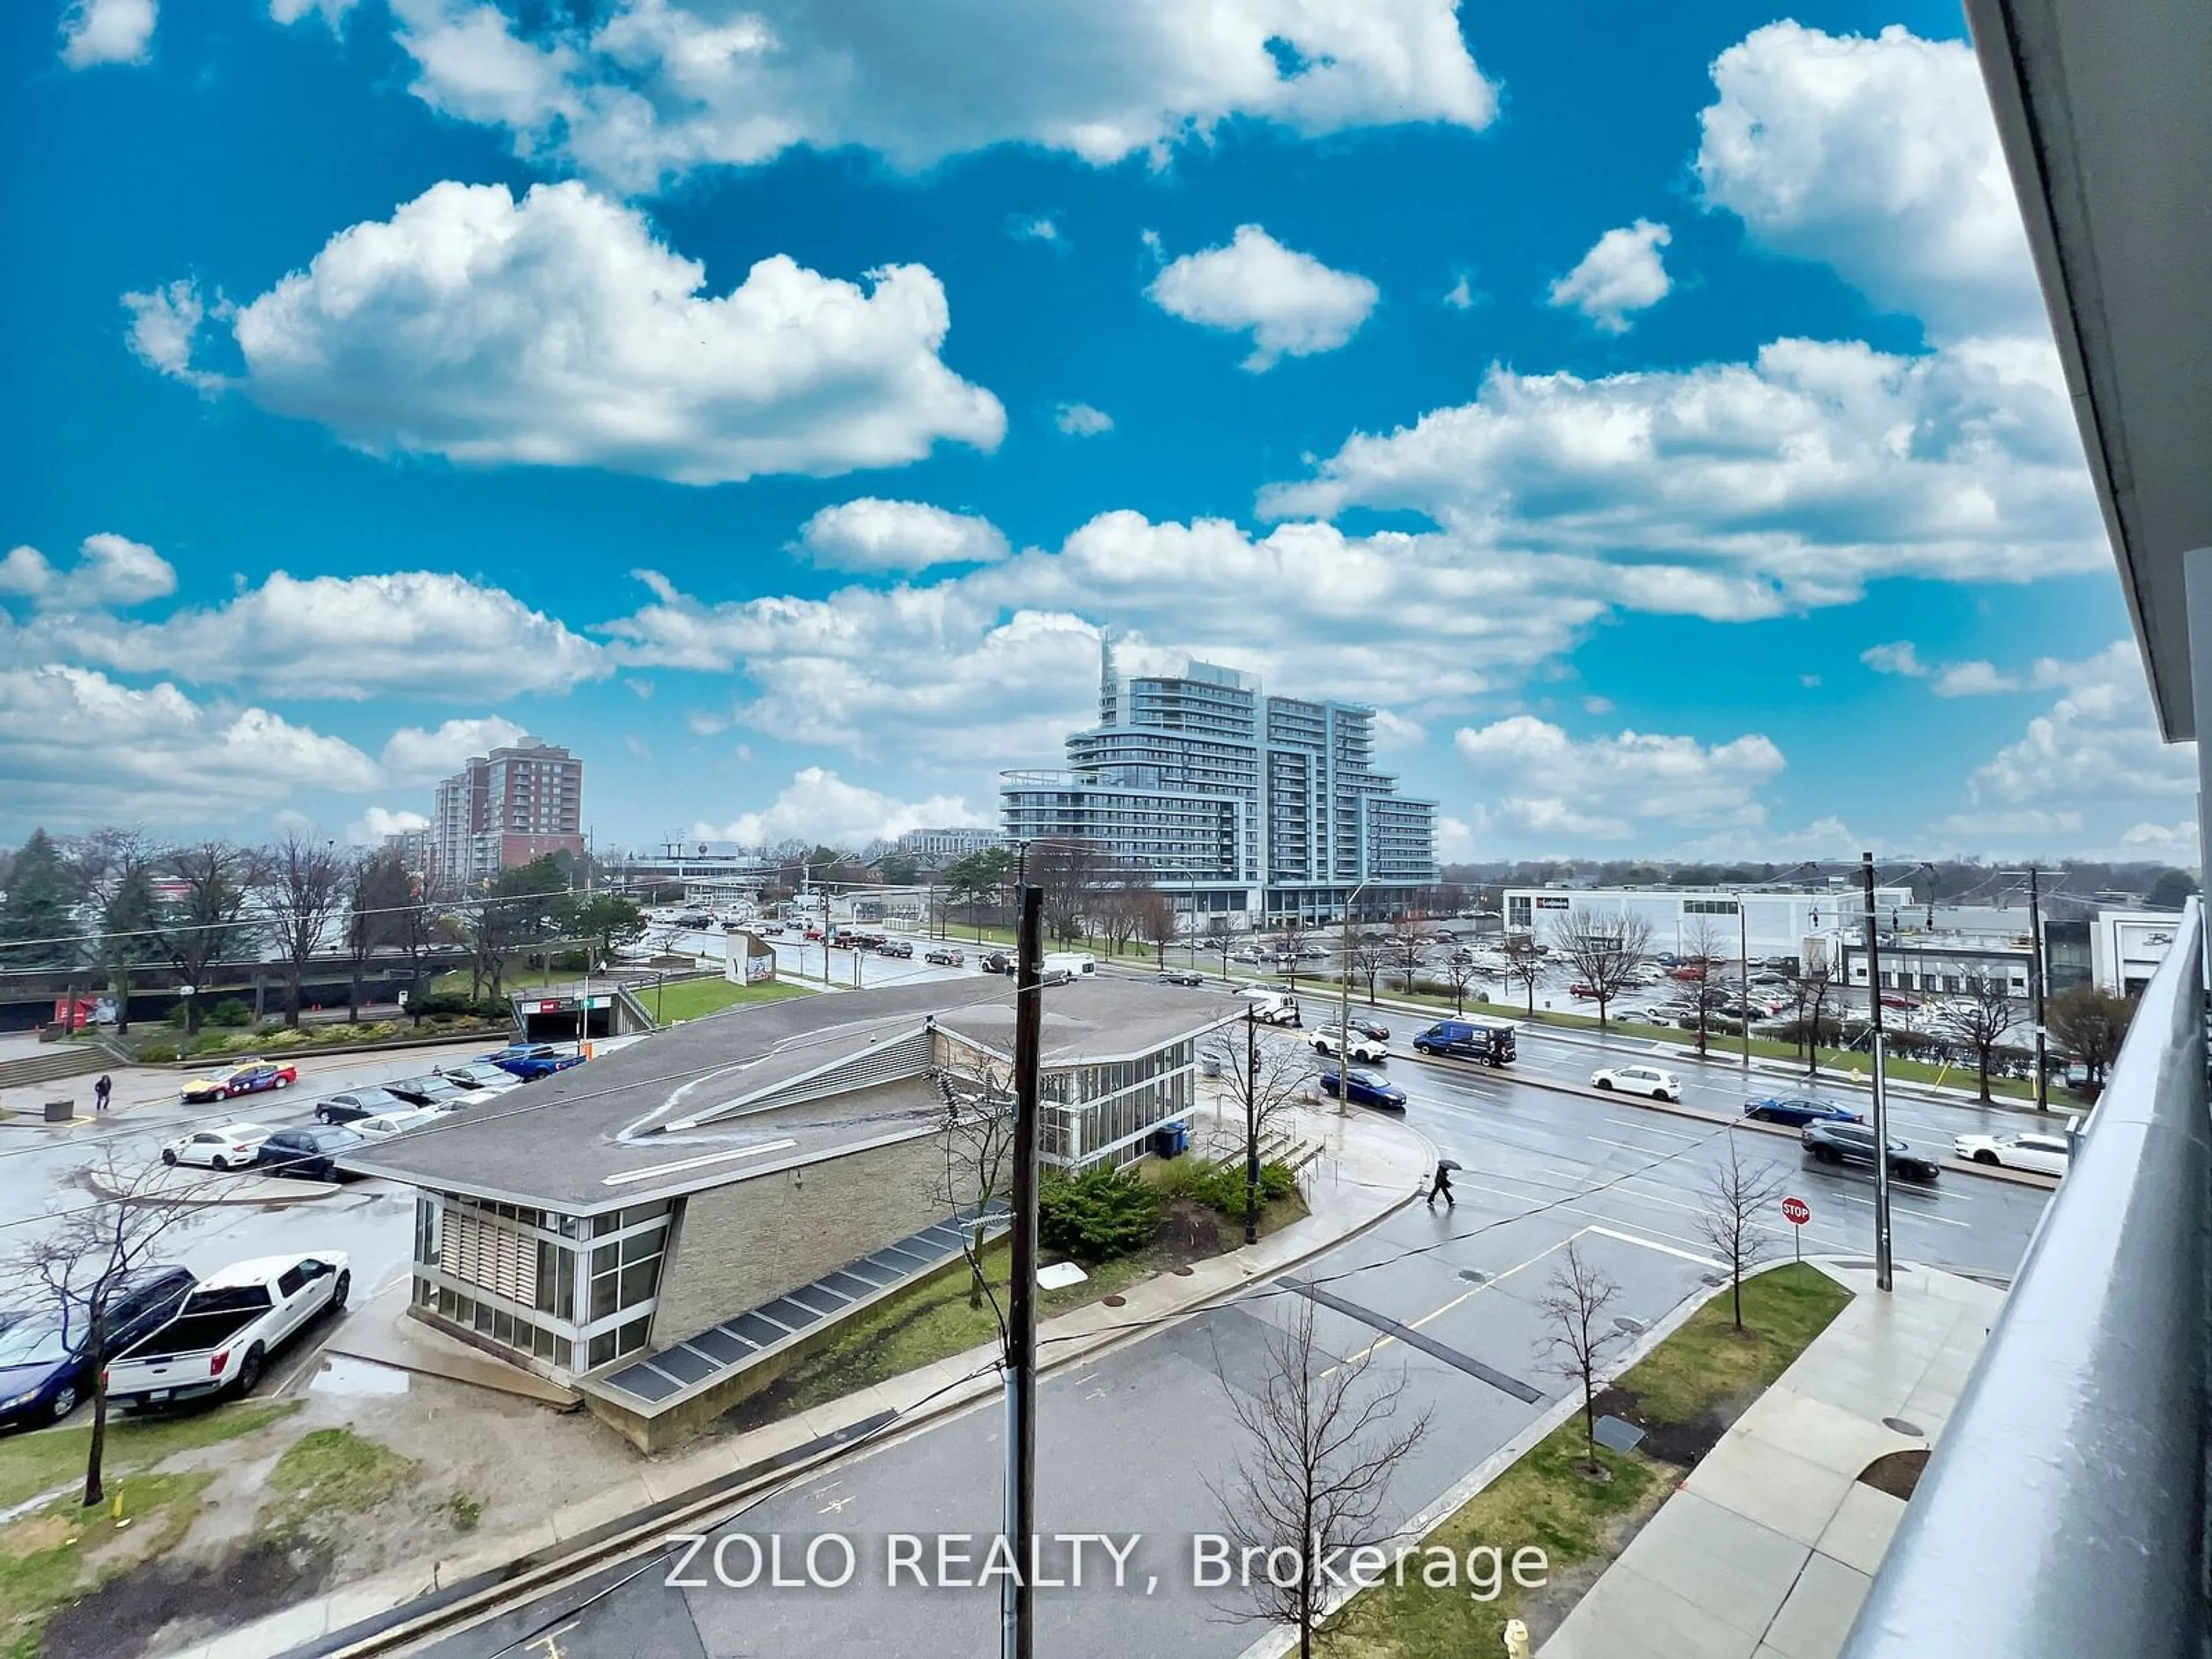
x: 1777, y: 924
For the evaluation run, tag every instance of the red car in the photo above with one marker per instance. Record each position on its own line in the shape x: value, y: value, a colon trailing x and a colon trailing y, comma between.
x: 1687, y: 970
x: 247, y: 1077
x: 1584, y: 991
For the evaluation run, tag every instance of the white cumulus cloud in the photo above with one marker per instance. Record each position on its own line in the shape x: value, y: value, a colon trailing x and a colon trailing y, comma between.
x: 1898, y: 657
x: 413, y: 755
x: 2097, y: 746
x: 1974, y: 679
x: 558, y: 330
x: 1621, y: 273
x: 109, y: 570
x: 338, y: 636
x: 654, y: 89
x: 1551, y: 786
x: 78, y: 749
x: 1877, y: 157
x: 873, y: 534
x: 378, y: 822
x: 1082, y: 421
x: 1292, y: 304
x: 818, y: 805
x: 1787, y: 481
x: 107, y: 32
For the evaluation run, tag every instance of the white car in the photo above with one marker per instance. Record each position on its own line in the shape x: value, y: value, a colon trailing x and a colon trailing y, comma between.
x: 384, y: 1125
x: 1326, y: 1039
x: 2044, y: 1154
x: 232, y: 1146
x: 1638, y: 1080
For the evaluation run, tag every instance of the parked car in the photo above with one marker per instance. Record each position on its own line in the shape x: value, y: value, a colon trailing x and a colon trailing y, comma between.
x: 309, y: 1154
x: 481, y: 1077
x: 384, y: 1125
x: 45, y: 1360
x: 946, y: 957
x: 1687, y: 970
x: 771, y: 929
x: 1493, y: 1041
x: 223, y: 1335
x: 232, y: 1146
x: 1180, y: 977
x: 250, y: 1077
x: 1853, y: 1143
x: 997, y: 962
x: 1581, y: 990
x: 345, y: 1107
x: 429, y: 1090
x: 1796, y: 1111
x: 2044, y: 1154
x: 1638, y: 1080
x: 1327, y: 1040
x: 531, y: 1060
x: 1368, y: 1089
x: 897, y: 947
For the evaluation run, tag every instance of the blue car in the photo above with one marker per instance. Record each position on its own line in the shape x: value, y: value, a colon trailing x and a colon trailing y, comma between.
x: 532, y: 1059
x: 45, y: 1362
x: 1369, y: 1089
x: 1796, y: 1111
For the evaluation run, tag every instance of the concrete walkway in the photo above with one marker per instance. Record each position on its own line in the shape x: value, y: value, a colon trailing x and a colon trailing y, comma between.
x: 1766, y: 1550
x: 1370, y: 1165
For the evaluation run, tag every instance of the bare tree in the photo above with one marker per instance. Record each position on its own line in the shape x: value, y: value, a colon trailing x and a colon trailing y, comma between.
x: 1459, y: 970
x: 202, y: 926
x: 1124, y: 908
x: 1158, y: 924
x: 90, y: 1255
x: 1708, y: 993
x: 1264, y: 1080
x: 307, y: 883
x: 116, y: 869
x: 1576, y: 1304
x: 1524, y: 965
x: 1070, y: 874
x: 1321, y: 1440
x: 1290, y: 944
x: 1605, y: 950
x: 1369, y: 955
x: 1808, y: 992
x: 1737, y: 1198
x: 977, y: 1137
x: 1984, y: 1021
x: 381, y: 893
x: 1219, y: 933
x: 1407, y: 947
x: 2090, y: 1024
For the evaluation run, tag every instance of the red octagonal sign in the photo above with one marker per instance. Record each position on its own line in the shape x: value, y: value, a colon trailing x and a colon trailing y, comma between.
x: 1796, y: 1212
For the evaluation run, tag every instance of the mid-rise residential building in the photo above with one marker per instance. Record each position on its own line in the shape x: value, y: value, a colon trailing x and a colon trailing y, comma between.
x: 943, y: 845
x: 504, y: 809
x: 1260, y: 810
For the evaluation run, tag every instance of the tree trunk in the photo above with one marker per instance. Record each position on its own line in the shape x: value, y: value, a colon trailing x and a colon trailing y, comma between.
x: 120, y: 984
x: 353, y: 995
x: 293, y: 973
x: 98, y: 1447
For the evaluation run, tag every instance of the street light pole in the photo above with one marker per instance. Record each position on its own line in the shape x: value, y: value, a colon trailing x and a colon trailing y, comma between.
x: 1344, y: 999
x: 2035, y: 986
x: 1017, y: 1633
x: 1251, y: 1124
x: 1882, y: 1242
x: 1743, y: 961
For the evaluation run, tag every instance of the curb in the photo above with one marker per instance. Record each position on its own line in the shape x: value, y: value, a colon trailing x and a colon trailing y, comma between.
x: 325, y: 1051
x: 597, y: 1547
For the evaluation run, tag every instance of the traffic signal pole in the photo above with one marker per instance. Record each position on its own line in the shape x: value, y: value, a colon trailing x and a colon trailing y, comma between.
x: 1882, y: 1264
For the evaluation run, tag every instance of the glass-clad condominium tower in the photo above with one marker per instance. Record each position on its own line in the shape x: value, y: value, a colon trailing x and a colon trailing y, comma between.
x: 1256, y: 808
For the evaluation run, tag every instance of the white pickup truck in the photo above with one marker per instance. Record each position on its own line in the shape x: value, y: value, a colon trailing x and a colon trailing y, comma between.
x: 223, y: 1334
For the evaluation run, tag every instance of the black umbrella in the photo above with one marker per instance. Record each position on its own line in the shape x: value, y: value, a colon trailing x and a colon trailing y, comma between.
x: 1446, y: 1163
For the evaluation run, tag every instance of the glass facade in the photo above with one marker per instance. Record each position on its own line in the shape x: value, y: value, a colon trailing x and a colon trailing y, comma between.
x: 570, y: 1292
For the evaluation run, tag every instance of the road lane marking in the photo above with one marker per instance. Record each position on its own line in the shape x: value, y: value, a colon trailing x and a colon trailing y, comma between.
x: 1651, y: 1244
x: 1652, y: 1129
x: 1413, y: 1339
x: 1490, y: 1283
x: 1910, y: 1210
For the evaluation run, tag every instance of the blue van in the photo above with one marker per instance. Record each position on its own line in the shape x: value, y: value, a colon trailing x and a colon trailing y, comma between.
x: 1487, y: 1040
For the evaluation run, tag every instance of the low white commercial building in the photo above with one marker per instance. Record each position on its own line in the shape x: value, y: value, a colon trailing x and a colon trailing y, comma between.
x: 2126, y: 946
x: 1752, y: 921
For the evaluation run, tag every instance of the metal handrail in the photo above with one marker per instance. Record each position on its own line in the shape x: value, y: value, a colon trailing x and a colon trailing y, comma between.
x: 2062, y: 1512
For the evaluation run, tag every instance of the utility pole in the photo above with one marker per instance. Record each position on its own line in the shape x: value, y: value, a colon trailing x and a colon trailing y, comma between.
x: 2035, y: 985
x: 1017, y: 1612
x: 1251, y: 1124
x: 1881, y: 1247
x: 1743, y: 961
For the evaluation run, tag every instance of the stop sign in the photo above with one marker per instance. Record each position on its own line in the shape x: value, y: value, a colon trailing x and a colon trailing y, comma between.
x: 1796, y: 1212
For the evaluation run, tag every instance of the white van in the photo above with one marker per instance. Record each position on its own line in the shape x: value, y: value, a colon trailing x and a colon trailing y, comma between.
x: 1273, y: 1007
x: 1060, y: 966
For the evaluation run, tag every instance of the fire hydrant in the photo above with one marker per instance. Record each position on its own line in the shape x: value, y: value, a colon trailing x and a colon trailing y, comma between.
x: 1517, y: 1639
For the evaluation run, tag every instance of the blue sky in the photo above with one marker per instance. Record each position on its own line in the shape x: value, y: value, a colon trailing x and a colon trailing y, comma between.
x: 1652, y: 412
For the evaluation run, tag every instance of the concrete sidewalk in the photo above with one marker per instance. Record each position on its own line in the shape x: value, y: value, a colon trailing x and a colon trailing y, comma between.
x: 1370, y: 1166
x: 1766, y: 1550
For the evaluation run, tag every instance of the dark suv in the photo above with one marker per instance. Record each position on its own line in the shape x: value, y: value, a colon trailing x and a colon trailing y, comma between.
x: 308, y: 1154
x: 46, y: 1360
x: 1853, y: 1143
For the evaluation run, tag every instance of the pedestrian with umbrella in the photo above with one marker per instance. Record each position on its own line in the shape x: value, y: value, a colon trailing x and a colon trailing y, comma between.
x: 1441, y: 1187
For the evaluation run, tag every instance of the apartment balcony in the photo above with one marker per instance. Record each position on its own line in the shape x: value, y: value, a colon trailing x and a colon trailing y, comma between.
x: 2063, y: 1511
